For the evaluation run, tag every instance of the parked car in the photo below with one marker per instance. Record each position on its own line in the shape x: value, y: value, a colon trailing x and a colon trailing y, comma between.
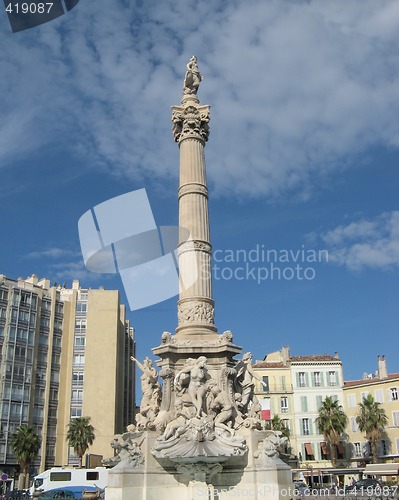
x: 17, y: 495
x: 367, y: 485
x: 56, y: 494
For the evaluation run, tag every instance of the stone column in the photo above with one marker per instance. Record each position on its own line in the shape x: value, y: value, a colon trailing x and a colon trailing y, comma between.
x: 195, y: 305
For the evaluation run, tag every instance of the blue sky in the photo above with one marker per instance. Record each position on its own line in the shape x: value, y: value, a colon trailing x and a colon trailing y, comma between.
x: 303, y: 155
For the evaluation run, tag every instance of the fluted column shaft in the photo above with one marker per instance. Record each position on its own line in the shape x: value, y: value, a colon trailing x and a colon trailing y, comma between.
x: 195, y: 305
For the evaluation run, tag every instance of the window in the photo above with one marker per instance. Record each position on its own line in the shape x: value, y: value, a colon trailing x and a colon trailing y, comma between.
x: 282, y: 383
x: 55, y: 359
x: 45, y: 322
x: 302, y: 379
x: 357, y: 449
x: 76, y: 412
x: 284, y: 404
x: 92, y: 476
x: 57, y: 341
x: 394, y: 393
x: 316, y: 379
x: 286, y: 423
x: 80, y: 341
x: 79, y: 359
x: 352, y: 400
x: 3, y: 294
x: 60, y: 476
x: 379, y: 396
x: 59, y: 308
x: 332, y: 378
x: 304, y: 403
x: 354, y: 426
x: 57, y: 324
x: 305, y: 426
x: 363, y: 395
x: 77, y: 395
x: 77, y: 378
x: 265, y: 381
x: 81, y: 308
x: 80, y: 324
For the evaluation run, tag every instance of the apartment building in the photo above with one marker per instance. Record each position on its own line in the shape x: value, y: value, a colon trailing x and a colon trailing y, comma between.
x: 309, y: 379
x: 384, y: 388
x: 31, y: 334
x: 64, y: 353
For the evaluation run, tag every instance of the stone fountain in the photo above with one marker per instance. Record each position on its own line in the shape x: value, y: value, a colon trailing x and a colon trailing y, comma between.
x: 198, y: 433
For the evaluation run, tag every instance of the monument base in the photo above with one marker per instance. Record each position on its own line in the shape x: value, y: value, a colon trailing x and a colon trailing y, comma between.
x: 254, y: 476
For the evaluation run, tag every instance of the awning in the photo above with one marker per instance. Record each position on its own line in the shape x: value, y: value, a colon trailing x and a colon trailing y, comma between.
x: 382, y: 469
x: 308, y: 448
x: 323, y: 446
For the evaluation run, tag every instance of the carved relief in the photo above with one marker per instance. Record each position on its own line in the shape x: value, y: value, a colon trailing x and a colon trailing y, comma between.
x: 128, y: 452
x: 269, y: 448
x: 195, y: 245
x: 195, y: 312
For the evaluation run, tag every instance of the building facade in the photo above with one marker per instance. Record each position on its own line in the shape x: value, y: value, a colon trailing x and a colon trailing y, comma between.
x: 384, y: 388
x: 308, y: 380
x: 65, y: 353
x: 31, y: 334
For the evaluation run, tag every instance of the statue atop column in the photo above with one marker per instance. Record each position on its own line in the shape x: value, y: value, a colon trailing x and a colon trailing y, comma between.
x: 193, y: 77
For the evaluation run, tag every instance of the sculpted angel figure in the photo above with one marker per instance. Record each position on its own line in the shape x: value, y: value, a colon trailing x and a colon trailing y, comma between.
x: 151, y: 390
x: 193, y: 77
x: 245, y: 381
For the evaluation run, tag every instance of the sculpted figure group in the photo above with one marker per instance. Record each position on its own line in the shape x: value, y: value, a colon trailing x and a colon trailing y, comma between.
x: 200, y: 412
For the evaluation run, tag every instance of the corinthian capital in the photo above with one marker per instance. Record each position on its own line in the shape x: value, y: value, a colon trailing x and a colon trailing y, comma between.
x: 190, y: 121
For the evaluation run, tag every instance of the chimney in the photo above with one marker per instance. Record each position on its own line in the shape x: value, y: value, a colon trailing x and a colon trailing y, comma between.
x: 336, y: 356
x: 382, y: 367
x: 285, y: 353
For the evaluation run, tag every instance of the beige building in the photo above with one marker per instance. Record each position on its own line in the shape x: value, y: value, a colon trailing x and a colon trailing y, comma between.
x: 297, y: 387
x: 384, y: 388
x: 278, y: 395
x: 65, y: 353
x: 96, y: 377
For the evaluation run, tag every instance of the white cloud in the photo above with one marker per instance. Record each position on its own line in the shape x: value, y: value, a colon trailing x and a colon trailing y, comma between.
x: 368, y: 243
x: 296, y: 88
x: 53, y: 253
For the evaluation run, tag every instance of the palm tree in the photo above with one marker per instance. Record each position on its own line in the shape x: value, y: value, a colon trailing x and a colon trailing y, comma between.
x: 26, y: 445
x: 80, y: 436
x: 372, y: 420
x: 331, y: 422
x: 276, y: 424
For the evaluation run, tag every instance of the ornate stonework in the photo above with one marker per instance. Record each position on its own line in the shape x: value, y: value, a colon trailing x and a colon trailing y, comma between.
x: 195, y: 312
x: 191, y: 122
x: 192, y: 188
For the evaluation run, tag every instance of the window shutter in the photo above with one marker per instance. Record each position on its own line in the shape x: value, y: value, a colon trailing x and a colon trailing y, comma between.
x: 337, y: 378
x: 307, y: 379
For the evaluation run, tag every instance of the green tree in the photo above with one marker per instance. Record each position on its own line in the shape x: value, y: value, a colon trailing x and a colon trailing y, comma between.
x: 372, y: 420
x: 276, y: 424
x: 26, y: 445
x: 80, y: 436
x: 331, y: 422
